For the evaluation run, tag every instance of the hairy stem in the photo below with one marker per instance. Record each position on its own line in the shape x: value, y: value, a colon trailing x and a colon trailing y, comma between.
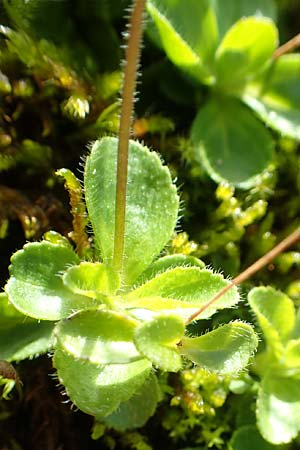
x: 129, y: 85
x: 251, y: 270
x: 287, y: 47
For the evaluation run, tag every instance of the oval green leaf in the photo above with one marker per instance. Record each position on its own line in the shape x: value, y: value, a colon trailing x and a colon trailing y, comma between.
x: 157, y: 339
x: 92, y: 279
x: 182, y: 291
x: 151, y: 204
x: 96, y: 389
x: 249, y: 438
x: 36, y: 288
x: 22, y: 337
x: 225, y: 350
x: 223, y: 137
x: 98, y: 336
x: 278, y: 408
x: 270, y: 306
x: 244, y: 51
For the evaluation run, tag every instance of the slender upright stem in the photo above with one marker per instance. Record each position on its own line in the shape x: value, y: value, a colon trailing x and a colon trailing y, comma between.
x: 125, y: 131
x: 251, y: 270
x: 287, y: 47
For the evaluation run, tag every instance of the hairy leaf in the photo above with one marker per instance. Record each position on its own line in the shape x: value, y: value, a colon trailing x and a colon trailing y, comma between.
x: 183, y: 290
x: 270, y: 307
x: 91, y: 279
x: 156, y: 339
x: 35, y: 287
x: 138, y: 409
x: 225, y: 350
x: 22, y: 337
x: 151, y: 205
x: 223, y: 136
x: 98, y: 336
x: 96, y: 389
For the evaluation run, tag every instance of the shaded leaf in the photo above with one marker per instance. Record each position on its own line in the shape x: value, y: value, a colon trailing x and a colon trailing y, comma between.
x: 22, y: 337
x: 157, y: 339
x: 35, y: 287
x: 151, y: 209
x: 222, y: 134
x: 138, y: 409
x: 275, y: 97
x: 249, y: 438
x: 225, y: 350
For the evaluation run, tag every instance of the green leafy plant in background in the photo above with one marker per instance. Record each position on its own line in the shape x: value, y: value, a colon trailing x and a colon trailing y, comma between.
x: 278, y: 365
x: 113, y: 312
x: 231, y: 49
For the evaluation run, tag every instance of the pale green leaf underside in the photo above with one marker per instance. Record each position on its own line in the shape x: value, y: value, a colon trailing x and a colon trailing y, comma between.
x: 138, y: 409
x: 249, y: 438
x: 98, y: 336
x: 151, y: 205
x: 98, y: 390
x: 231, y: 11
x: 182, y: 288
x: 156, y: 339
x: 270, y: 307
x: 225, y: 350
x: 292, y: 353
x: 35, y: 287
x: 91, y: 279
x: 222, y: 134
x: 278, y: 408
x: 188, y: 33
x: 275, y: 97
x: 21, y: 337
x: 245, y: 49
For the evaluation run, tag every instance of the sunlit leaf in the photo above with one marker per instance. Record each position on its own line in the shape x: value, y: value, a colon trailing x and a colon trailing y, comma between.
x: 225, y: 350
x: 98, y: 336
x: 35, y: 287
x: 245, y: 49
x: 278, y: 408
x: 151, y: 208
x: 157, y: 339
x: 188, y: 33
x: 183, y: 290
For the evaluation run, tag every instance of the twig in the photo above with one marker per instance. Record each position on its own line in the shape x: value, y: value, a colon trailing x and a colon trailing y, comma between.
x: 251, y: 270
x: 287, y: 47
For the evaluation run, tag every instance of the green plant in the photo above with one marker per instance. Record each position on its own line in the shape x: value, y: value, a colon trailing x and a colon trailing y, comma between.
x: 112, y: 312
x: 230, y: 48
x: 277, y: 365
